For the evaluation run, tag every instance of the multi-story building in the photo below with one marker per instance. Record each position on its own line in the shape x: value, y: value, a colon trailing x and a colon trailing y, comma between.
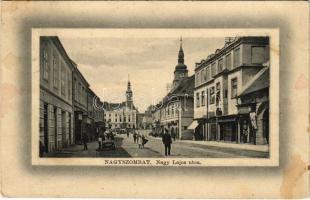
x: 80, y: 97
x: 121, y: 115
x: 56, y: 113
x: 140, y: 117
x: 219, y: 79
x: 147, y: 120
x: 98, y: 114
x: 175, y: 111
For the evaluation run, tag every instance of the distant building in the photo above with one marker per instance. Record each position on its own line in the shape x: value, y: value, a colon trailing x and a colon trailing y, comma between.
x: 231, y: 89
x: 147, y: 120
x: 56, y: 112
x: 121, y: 115
x: 140, y: 117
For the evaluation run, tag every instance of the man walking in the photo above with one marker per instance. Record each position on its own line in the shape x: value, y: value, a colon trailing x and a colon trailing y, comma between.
x: 167, y: 142
x: 85, y: 140
x: 134, y: 137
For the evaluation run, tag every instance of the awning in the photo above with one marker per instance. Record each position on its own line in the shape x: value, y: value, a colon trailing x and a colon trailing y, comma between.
x: 193, y: 125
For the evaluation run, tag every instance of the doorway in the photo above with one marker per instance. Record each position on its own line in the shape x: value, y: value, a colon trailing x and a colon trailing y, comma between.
x: 63, y: 127
x: 70, y: 134
x: 266, y: 125
x: 55, y: 128
x: 46, y: 148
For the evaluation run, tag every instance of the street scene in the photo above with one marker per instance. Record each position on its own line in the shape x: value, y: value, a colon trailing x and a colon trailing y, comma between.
x: 139, y: 97
x: 126, y: 148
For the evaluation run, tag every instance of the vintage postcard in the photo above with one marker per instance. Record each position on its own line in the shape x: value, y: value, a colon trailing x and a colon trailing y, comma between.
x: 155, y: 97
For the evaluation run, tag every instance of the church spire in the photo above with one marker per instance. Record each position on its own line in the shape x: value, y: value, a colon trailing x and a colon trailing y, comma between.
x: 128, y: 84
x: 181, y: 53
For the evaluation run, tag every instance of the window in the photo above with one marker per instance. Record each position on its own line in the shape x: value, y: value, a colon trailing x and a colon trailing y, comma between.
x: 69, y: 86
x: 197, y: 100
x: 75, y: 89
x: 203, y: 98
x: 212, y: 95
x: 205, y: 75
x: 45, y: 64
x: 202, y: 76
x: 55, y: 71
x: 220, y: 65
x: 228, y: 61
x: 218, y: 93
x: 213, y: 69
x: 79, y: 92
x: 236, y: 57
x: 198, y: 78
x: 234, y: 87
x: 258, y: 55
x: 63, y: 79
x: 208, y: 73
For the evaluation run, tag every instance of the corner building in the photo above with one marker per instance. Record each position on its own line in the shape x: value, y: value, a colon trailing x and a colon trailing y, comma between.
x: 222, y: 109
x: 56, y: 113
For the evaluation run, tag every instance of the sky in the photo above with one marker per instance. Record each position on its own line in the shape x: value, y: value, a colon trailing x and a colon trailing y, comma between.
x: 149, y: 63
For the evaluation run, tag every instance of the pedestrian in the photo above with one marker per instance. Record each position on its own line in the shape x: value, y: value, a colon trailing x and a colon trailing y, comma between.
x: 140, y: 141
x: 127, y: 133
x: 173, y: 135
x: 135, y: 137
x: 144, y: 140
x: 167, y: 142
x: 41, y: 149
x: 85, y: 140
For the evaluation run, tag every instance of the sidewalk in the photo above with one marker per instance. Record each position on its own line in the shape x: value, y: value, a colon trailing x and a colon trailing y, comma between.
x: 226, y: 145
x: 75, y: 151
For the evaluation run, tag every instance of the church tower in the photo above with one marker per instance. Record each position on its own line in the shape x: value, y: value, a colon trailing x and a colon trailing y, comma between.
x: 129, y: 95
x: 180, y: 69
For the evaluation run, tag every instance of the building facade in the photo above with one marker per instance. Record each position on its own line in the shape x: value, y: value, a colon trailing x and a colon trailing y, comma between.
x: 80, y: 105
x: 56, y: 110
x: 219, y: 79
x: 175, y: 112
x: 121, y: 115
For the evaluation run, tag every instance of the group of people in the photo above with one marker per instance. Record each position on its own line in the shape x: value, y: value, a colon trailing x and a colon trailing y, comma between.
x: 107, y: 135
x: 166, y: 139
x: 139, y: 139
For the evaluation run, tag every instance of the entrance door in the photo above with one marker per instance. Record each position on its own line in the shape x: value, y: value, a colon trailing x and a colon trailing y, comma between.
x: 266, y: 125
x: 45, y: 129
x: 64, y: 127
x: 70, y: 134
x: 55, y: 128
x: 77, y: 128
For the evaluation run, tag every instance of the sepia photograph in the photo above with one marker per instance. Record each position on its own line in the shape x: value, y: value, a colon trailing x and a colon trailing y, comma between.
x: 121, y: 95
x: 154, y: 99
